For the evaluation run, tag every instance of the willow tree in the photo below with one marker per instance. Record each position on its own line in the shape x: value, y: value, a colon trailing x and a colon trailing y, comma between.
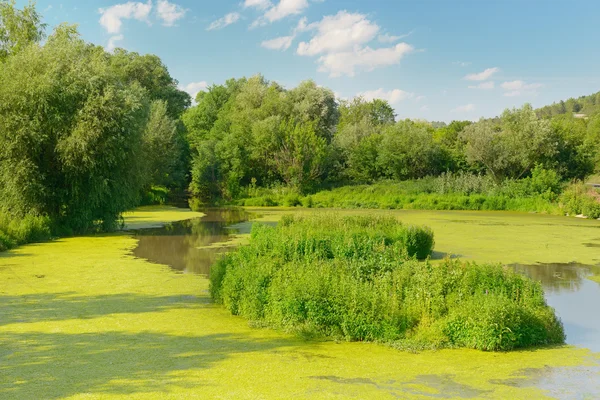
x: 71, y: 134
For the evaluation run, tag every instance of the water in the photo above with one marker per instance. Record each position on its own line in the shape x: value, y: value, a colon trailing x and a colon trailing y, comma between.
x: 188, y: 246
x: 574, y: 297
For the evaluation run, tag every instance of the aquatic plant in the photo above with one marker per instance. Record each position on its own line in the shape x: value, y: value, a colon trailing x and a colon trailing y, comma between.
x: 354, y: 278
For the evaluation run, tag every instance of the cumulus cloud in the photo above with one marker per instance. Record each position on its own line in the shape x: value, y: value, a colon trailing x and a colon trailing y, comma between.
x: 424, y: 108
x: 348, y: 62
x: 284, y: 42
x: 482, y: 76
x: 393, y: 96
x: 280, y: 43
x: 281, y: 10
x: 169, y: 13
x: 260, y: 4
x: 339, y: 32
x: 222, y: 22
x: 465, y: 108
x: 518, y: 88
x: 112, y: 42
x: 194, y: 88
x: 484, y: 85
x: 112, y: 17
x: 341, y: 42
x: 419, y: 98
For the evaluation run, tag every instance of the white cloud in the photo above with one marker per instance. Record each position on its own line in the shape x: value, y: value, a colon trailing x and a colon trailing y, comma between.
x: 112, y: 17
x: 419, y: 98
x: 424, y: 108
x: 517, y: 88
x: 520, y: 85
x: 341, y: 41
x: 339, y: 32
x: 194, y: 88
x: 484, y: 85
x: 393, y: 96
x: 281, y: 10
x: 280, y: 43
x: 482, y: 76
x: 387, y: 38
x: 465, y: 108
x: 169, y: 13
x: 346, y: 63
x: 112, y: 42
x: 260, y: 4
x: 222, y: 22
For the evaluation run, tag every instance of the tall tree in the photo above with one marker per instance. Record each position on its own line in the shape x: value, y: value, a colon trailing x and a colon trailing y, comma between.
x: 18, y: 28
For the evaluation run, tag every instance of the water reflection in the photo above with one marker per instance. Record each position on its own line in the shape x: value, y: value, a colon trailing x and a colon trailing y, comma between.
x: 184, y: 245
x: 574, y: 297
x: 557, y: 277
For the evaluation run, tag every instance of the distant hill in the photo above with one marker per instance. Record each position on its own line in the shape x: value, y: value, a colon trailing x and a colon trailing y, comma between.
x: 581, y: 106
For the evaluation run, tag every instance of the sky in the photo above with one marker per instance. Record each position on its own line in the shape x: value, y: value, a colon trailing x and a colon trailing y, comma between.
x: 438, y: 60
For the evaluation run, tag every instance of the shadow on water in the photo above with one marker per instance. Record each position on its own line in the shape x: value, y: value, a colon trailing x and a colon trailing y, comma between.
x: 185, y: 246
x: 574, y: 297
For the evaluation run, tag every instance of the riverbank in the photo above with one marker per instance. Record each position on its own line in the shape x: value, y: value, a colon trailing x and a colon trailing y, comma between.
x: 81, y: 318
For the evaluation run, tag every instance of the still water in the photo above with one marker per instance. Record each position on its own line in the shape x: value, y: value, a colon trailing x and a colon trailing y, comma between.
x: 188, y: 247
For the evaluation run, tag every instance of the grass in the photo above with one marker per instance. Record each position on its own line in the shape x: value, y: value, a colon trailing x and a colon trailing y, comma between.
x: 82, y: 319
x: 353, y: 278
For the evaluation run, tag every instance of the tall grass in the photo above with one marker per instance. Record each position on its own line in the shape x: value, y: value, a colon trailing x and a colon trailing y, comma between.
x: 18, y: 231
x: 353, y: 278
x: 542, y: 192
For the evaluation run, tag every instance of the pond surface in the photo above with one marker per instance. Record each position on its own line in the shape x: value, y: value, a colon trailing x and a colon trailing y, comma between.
x: 188, y: 247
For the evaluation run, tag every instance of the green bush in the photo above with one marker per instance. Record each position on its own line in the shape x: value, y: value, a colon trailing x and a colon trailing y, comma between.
x: 29, y: 229
x: 419, y: 241
x: 352, y: 278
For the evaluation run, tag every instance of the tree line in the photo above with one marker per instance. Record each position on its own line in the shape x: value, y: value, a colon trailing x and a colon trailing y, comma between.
x: 86, y: 134
x: 252, y: 132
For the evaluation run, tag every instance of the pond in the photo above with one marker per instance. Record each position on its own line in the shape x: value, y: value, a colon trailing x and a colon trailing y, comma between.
x: 189, y: 247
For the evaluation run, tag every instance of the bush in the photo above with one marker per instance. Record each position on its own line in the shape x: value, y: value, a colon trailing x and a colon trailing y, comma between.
x: 578, y: 199
x: 29, y: 229
x: 418, y: 241
x: 352, y: 278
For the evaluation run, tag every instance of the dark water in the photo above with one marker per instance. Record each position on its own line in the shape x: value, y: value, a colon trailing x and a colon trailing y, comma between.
x: 183, y: 245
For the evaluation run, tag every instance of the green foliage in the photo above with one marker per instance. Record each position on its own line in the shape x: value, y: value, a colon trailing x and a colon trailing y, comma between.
x: 28, y: 229
x: 18, y: 28
x: 510, y: 148
x: 579, y: 199
x: 351, y: 278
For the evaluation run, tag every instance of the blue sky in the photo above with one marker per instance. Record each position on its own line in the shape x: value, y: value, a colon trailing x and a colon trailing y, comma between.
x: 435, y: 60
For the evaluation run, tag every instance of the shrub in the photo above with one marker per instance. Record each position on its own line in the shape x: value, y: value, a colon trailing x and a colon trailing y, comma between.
x: 29, y: 229
x: 352, y: 278
x: 418, y: 241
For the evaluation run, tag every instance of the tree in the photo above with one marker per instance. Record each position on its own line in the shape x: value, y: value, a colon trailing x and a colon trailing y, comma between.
x: 70, y: 134
x: 301, y: 155
x: 408, y: 151
x: 164, y: 148
x: 510, y: 148
x: 150, y: 72
x: 18, y: 28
